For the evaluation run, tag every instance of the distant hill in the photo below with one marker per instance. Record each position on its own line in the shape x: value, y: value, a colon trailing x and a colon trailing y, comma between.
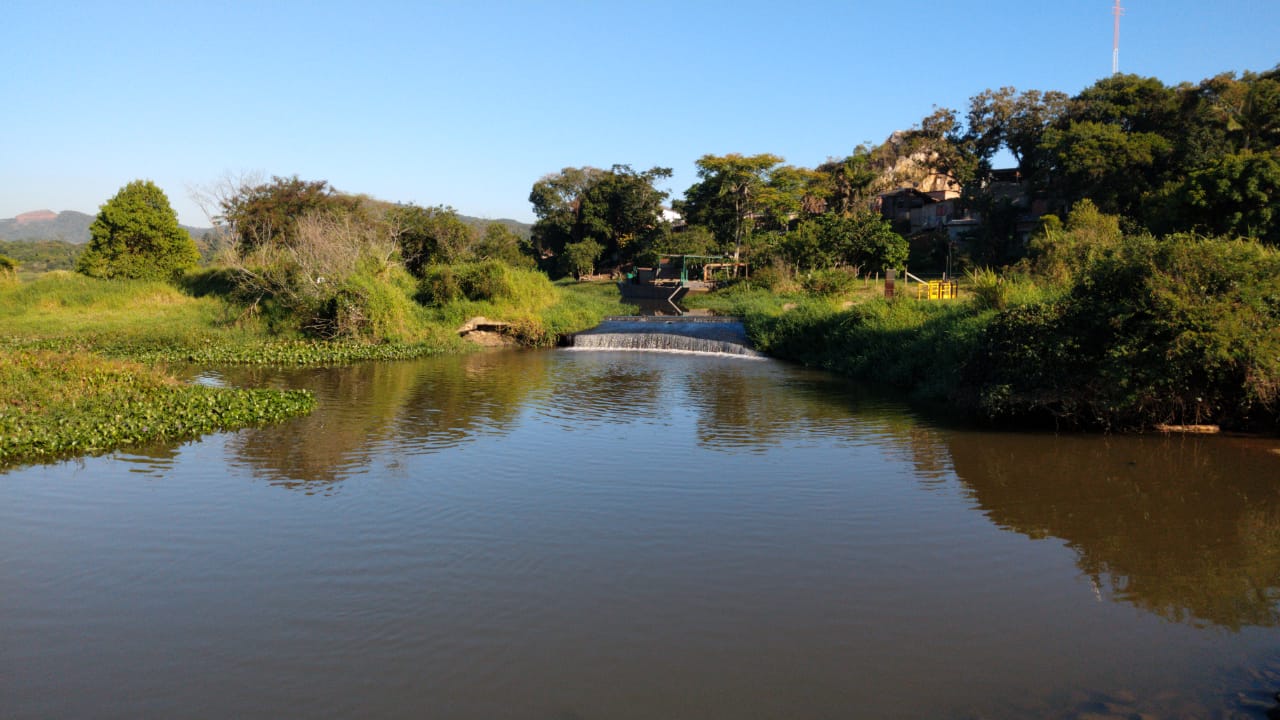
x: 67, y: 226
x: 524, y: 230
x: 73, y: 227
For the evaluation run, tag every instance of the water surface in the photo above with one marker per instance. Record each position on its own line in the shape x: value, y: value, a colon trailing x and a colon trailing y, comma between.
x: 633, y: 535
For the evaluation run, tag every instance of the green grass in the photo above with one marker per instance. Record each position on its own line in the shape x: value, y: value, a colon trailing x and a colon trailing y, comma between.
x: 157, y: 322
x: 81, y: 359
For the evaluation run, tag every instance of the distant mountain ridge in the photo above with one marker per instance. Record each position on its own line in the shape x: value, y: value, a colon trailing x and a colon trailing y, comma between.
x: 73, y: 227
x: 67, y: 226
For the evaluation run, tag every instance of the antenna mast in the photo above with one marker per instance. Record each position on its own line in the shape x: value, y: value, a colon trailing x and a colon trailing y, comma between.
x: 1115, y: 42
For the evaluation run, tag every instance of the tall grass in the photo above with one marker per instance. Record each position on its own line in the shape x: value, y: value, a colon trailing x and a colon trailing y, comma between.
x: 61, y: 304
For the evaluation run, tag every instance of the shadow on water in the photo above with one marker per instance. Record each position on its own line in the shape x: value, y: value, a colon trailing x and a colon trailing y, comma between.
x: 1186, y: 528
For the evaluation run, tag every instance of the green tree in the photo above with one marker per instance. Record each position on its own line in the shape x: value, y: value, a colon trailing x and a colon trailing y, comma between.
x: 1114, y: 167
x: 789, y: 193
x: 1015, y: 121
x: 619, y: 208
x: 580, y: 257
x: 847, y: 184
x: 431, y: 235
x: 268, y: 213
x: 501, y: 243
x: 622, y: 209
x: 1238, y: 195
x: 136, y: 235
x: 1134, y: 104
x: 556, y: 199
x: 726, y: 198
x: 862, y: 240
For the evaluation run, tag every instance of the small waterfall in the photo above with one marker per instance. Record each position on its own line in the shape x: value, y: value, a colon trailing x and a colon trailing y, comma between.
x: 719, y: 335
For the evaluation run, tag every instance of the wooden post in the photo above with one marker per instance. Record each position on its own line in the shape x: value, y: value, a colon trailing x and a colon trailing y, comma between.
x: 889, y: 275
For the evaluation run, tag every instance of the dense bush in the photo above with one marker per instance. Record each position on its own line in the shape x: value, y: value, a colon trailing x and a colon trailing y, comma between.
x: 8, y: 268
x: 483, y: 281
x: 830, y: 282
x: 1181, y: 330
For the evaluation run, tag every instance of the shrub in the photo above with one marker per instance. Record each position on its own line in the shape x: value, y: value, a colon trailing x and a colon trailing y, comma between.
x: 337, y: 278
x: 8, y: 269
x: 988, y: 288
x: 1057, y: 253
x: 580, y: 258
x: 1182, y: 330
x: 486, y: 281
x: 831, y: 282
x: 369, y: 306
x: 136, y: 236
x: 775, y: 278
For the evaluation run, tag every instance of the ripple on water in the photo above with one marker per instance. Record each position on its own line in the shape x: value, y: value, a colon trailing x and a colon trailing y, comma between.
x: 632, y: 536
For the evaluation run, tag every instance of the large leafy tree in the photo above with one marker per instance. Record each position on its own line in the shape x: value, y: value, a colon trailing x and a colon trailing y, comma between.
x: 620, y: 209
x: 499, y: 242
x: 726, y: 198
x: 1114, y: 167
x: 268, y: 213
x: 136, y: 235
x: 430, y: 235
x: 556, y: 199
x: 847, y: 184
x: 1238, y: 195
x: 1013, y: 121
x: 862, y: 240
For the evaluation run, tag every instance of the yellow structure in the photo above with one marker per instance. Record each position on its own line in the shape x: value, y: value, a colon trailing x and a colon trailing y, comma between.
x: 938, y: 290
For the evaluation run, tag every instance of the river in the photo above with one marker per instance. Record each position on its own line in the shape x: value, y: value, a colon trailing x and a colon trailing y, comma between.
x: 573, y: 535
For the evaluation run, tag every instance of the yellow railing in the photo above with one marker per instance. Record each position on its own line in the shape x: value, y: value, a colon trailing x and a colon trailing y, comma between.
x: 938, y: 290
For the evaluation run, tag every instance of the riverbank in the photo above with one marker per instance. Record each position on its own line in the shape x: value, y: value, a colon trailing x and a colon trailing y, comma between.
x: 1144, y: 332
x: 86, y: 361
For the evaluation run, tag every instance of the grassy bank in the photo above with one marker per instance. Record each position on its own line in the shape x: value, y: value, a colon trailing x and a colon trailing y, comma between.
x: 1142, y: 332
x: 152, y: 321
x: 82, y: 360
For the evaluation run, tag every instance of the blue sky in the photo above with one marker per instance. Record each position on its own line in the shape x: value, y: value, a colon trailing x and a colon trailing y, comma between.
x: 469, y: 103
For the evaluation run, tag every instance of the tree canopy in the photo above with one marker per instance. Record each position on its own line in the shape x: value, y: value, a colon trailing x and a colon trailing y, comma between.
x: 136, y: 235
x: 1166, y: 159
x: 727, y: 196
x: 268, y: 213
x: 620, y: 209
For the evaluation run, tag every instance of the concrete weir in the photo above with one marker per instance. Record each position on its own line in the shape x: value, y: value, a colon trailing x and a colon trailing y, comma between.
x: 702, y: 334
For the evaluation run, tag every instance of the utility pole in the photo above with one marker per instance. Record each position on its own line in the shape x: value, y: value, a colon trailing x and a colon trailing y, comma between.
x: 1115, y: 41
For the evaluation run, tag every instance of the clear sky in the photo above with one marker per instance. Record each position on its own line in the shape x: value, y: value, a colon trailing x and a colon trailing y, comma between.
x: 469, y: 103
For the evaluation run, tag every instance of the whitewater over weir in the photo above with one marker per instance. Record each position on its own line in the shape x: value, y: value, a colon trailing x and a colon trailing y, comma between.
x: 701, y: 335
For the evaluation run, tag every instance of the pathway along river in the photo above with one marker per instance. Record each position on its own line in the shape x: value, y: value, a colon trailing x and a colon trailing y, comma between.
x: 577, y: 535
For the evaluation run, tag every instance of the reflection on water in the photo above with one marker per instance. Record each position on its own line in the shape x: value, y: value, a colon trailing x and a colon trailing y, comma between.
x: 1185, y: 527
x: 370, y: 409
x: 615, y: 535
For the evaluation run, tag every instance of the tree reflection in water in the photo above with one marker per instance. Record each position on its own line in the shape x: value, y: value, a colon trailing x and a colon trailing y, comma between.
x: 373, y: 410
x: 1187, y: 528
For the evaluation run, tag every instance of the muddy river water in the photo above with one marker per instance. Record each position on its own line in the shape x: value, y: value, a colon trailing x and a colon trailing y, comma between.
x: 573, y: 535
